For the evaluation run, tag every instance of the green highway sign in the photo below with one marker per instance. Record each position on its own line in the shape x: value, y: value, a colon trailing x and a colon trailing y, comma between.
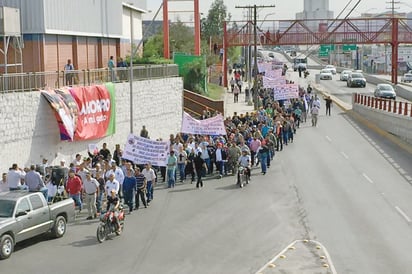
x: 349, y: 47
x: 327, y: 47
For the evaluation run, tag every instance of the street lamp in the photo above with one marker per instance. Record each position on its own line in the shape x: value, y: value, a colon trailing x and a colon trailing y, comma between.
x: 264, y: 19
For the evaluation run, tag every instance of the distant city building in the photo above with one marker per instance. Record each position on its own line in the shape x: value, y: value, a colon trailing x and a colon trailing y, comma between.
x: 315, y: 9
x: 86, y: 31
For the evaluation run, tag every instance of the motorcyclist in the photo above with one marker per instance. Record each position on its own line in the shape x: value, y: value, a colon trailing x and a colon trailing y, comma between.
x: 245, y: 162
x: 113, y: 203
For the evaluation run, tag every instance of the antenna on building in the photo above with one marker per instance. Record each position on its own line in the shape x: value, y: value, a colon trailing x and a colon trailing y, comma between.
x: 392, y: 7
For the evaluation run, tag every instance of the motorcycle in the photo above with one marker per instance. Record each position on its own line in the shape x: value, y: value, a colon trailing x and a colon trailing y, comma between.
x: 108, y: 224
x: 242, y: 177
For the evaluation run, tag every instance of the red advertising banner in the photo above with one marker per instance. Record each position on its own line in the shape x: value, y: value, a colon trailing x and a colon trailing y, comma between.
x: 83, y: 113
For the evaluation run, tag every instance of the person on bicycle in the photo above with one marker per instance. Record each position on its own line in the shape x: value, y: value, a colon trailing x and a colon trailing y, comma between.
x: 113, y: 204
x: 245, y: 162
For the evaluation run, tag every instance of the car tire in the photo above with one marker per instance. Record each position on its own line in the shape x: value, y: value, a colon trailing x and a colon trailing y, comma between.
x: 59, y: 228
x: 6, y: 246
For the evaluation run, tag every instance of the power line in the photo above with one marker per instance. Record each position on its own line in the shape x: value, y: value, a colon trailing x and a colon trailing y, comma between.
x: 255, y: 67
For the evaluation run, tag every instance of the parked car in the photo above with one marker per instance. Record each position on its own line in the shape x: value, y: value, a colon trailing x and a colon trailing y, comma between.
x: 325, y: 74
x: 24, y: 215
x: 344, y: 75
x: 356, y: 79
x: 407, y: 78
x: 331, y: 68
x: 385, y: 91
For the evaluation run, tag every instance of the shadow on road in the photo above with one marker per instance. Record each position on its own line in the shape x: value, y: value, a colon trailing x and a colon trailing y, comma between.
x: 89, y: 241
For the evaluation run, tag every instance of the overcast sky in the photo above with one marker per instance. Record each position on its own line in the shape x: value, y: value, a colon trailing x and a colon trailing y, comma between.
x: 285, y: 9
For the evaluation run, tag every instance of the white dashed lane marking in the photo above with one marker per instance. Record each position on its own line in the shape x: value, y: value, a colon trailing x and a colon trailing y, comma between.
x: 344, y: 155
x: 367, y: 178
x: 328, y: 138
x: 403, y: 214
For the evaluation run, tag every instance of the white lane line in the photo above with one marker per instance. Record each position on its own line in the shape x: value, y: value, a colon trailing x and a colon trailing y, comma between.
x: 409, y: 178
x: 403, y: 214
x: 328, y: 138
x: 344, y: 155
x: 367, y: 178
x: 391, y: 160
x: 396, y: 165
x: 385, y: 155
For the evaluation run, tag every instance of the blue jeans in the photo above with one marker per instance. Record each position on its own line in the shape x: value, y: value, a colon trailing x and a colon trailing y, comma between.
x: 128, y: 199
x: 220, y: 166
x: 99, y: 201
x: 171, y: 177
x: 207, y: 161
x: 263, y: 161
x: 77, y: 200
x: 149, y: 189
x: 181, y: 168
x: 45, y: 192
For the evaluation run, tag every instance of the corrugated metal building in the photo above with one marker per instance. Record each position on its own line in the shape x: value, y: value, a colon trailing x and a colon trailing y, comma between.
x: 86, y: 31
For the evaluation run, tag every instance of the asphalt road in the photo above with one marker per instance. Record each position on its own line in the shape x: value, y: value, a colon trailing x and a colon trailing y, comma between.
x: 335, y: 183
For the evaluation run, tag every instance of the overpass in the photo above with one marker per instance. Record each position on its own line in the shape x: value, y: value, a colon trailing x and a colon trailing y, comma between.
x: 393, y: 31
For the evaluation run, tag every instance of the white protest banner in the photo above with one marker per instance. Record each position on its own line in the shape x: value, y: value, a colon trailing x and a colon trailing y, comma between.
x: 141, y: 150
x: 285, y: 92
x: 210, y: 126
x: 271, y: 82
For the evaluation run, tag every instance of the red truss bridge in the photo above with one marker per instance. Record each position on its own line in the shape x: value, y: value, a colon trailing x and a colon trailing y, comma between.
x: 393, y: 31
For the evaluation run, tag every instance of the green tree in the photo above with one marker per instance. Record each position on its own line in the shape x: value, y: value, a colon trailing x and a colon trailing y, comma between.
x: 212, y: 25
x: 195, y: 76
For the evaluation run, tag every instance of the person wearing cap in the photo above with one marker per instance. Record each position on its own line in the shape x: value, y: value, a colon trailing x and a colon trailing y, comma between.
x: 91, y: 189
x: 74, y: 188
x: 171, y: 169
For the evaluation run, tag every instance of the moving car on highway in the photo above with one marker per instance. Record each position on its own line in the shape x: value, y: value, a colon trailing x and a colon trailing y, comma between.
x: 331, y: 68
x: 385, y: 91
x: 325, y: 74
x: 344, y: 75
x: 356, y: 79
x: 407, y: 78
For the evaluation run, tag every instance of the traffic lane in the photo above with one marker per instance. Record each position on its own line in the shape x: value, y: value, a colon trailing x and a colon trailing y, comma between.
x: 220, y: 228
x: 362, y: 230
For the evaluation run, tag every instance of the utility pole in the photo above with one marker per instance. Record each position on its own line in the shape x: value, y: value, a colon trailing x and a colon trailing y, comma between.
x: 394, y: 42
x: 255, y: 66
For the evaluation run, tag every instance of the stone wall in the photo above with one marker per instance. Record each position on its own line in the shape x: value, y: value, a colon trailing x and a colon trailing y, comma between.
x: 29, y: 132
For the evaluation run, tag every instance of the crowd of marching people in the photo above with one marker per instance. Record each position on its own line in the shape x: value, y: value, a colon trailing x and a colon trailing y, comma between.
x: 252, y: 139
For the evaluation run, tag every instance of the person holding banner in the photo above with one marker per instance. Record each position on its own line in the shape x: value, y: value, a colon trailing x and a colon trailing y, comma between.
x: 171, y: 169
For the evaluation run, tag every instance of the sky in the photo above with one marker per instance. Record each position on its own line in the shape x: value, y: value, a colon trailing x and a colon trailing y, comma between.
x: 284, y: 10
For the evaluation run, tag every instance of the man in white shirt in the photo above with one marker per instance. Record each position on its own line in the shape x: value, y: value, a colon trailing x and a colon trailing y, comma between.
x: 112, y: 183
x: 150, y: 176
x: 14, y: 177
x: 91, y: 189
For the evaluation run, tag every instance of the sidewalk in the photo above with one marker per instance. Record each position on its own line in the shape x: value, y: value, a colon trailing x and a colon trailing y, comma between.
x: 230, y: 106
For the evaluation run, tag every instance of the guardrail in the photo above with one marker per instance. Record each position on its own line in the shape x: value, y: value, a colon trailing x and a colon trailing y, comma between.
x: 18, y: 82
x: 195, y: 104
x: 385, y: 105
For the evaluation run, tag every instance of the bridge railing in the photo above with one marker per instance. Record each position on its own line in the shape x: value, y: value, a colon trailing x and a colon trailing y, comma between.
x: 385, y: 105
x: 30, y: 81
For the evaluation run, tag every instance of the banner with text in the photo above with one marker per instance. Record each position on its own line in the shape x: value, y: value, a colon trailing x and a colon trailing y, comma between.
x: 210, y: 126
x: 141, y: 150
x: 285, y: 92
x: 83, y: 113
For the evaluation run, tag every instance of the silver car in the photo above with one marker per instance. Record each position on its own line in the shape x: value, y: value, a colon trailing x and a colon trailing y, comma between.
x: 385, y: 91
x: 344, y: 75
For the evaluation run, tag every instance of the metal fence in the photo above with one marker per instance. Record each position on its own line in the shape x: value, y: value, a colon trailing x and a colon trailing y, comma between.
x: 18, y: 82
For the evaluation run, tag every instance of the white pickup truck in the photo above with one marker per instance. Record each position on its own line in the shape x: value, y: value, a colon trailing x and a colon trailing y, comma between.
x: 24, y: 215
x: 407, y: 78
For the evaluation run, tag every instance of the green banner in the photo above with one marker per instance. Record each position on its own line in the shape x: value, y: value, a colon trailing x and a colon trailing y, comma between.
x: 111, y: 129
